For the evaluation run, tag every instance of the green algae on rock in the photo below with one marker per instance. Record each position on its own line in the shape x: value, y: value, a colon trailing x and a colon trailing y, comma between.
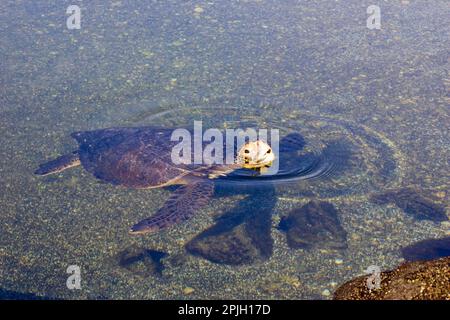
x: 420, y: 280
x: 316, y: 224
x: 413, y: 203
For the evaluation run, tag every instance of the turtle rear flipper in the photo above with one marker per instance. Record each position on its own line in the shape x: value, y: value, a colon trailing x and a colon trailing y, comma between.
x: 182, y: 204
x: 59, y: 164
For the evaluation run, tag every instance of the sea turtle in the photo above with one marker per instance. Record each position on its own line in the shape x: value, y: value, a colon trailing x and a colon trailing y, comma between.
x: 140, y: 157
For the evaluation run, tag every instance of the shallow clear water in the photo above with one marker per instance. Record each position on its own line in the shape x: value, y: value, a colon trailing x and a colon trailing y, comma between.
x: 372, y: 104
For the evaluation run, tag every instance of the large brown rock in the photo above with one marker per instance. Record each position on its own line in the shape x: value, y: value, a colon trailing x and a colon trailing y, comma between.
x: 420, y: 280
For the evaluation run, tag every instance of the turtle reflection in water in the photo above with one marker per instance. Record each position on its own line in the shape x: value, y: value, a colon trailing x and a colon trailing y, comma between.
x: 141, y: 158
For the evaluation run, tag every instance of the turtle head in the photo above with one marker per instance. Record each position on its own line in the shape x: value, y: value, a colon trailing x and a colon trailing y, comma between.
x: 255, y: 154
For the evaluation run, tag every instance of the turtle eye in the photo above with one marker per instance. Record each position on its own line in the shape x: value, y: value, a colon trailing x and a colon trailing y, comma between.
x: 247, y: 151
x: 268, y: 151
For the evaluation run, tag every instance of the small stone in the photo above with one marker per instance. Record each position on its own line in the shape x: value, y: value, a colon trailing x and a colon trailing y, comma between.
x: 326, y: 293
x: 440, y: 194
x: 338, y: 261
x: 355, y: 237
x: 198, y: 9
x: 188, y: 290
x: 293, y: 281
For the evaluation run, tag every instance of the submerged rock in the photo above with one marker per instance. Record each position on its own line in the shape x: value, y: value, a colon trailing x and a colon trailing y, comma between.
x: 142, y: 262
x: 427, y: 249
x: 420, y: 280
x: 413, y: 203
x: 316, y: 224
x: 230, y: 247
x: 233, y: 245
x: 242, y: 235
x: 235, y: 240
x: 14, y: 295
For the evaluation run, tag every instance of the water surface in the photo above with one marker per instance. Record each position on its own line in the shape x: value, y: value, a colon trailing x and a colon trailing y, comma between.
x: 300, y: 66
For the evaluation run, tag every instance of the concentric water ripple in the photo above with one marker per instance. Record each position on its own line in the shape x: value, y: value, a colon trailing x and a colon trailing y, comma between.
x: 319, y: 156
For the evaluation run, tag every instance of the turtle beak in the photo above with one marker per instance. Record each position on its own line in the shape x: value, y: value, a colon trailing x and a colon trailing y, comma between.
x: 268, y: 158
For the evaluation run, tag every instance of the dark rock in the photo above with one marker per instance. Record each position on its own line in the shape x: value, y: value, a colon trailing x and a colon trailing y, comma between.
x: 316, y: 224
x: 413, y: 203
x: 232, y: 247
x: 242, y: 236
x: 427, y: 249
x: 420, y: 280
x: 142, y: 262
x: 14, y: 295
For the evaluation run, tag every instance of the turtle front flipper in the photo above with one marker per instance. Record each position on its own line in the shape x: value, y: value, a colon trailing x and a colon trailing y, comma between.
x: 181, y: 205
x: 59, y: 164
